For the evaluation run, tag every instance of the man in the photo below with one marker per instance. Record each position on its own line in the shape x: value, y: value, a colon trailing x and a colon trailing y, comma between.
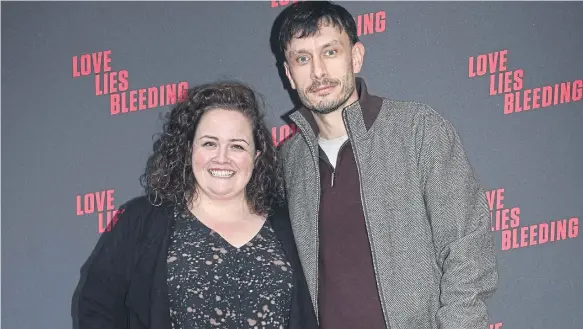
x: 391, y: 223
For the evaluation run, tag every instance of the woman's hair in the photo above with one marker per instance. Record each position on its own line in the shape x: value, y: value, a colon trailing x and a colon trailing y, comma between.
x: 169, y: 177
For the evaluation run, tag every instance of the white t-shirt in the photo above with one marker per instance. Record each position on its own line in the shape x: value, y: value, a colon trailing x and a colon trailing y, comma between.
x: 331, y: 147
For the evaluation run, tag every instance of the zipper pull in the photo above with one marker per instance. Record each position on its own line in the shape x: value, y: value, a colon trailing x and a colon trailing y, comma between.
x: 333, y: 172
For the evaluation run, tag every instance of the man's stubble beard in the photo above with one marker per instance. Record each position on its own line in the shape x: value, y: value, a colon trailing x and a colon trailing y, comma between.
x: 324, y: 106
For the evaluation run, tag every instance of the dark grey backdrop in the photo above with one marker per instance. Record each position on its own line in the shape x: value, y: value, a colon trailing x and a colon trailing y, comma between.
x: 59, y: 139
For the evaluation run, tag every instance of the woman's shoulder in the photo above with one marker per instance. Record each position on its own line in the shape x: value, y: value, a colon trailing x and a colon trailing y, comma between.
x: 137, y: 205
x: 280, y: 221
x: 279, y: 212
x: 140, y: 210
x: 143, y: 205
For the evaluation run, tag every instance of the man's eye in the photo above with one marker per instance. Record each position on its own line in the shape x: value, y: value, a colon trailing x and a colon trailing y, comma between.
x: 302, y: 59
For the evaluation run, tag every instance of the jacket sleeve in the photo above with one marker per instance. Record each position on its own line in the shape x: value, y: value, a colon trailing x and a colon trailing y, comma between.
x: 301, y: 315
x: 459, y: 216
x: 98, y: 301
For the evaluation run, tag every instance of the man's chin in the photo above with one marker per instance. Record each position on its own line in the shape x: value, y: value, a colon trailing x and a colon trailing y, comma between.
x: 323, y: 110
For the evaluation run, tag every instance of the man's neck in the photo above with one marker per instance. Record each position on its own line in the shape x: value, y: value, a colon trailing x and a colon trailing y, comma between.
x: 331, y: 125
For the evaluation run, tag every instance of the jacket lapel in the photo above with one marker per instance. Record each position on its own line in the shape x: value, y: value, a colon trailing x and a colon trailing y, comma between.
x: 304, y: 169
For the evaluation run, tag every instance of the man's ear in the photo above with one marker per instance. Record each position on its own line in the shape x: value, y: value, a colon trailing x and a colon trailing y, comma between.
x: 289, y: 77
x: 357, y: 57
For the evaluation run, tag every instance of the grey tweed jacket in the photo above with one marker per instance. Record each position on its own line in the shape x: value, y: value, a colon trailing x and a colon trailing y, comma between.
x: 426, y: 214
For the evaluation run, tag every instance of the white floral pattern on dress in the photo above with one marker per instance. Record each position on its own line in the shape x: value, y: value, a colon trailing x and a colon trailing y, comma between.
x: 212, y: 284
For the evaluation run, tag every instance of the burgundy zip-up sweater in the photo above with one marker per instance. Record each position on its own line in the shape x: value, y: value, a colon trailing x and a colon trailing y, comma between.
x: 348, y: 296
x: 347, y: 289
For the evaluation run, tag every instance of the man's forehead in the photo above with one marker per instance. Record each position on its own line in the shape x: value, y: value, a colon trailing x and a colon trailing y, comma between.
x: 324, y: 29
x: 324, y: 35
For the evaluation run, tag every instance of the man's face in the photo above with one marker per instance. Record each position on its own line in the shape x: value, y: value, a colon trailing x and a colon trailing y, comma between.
x: 321, y: 68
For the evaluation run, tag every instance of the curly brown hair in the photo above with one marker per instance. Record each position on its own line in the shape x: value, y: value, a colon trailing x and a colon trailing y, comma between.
x: 168, y: 177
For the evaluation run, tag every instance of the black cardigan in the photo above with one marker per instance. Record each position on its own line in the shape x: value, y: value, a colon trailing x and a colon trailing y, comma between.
x: 123, y: 282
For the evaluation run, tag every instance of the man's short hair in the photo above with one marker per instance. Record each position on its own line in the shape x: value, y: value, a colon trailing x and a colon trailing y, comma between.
x: 303, y: 19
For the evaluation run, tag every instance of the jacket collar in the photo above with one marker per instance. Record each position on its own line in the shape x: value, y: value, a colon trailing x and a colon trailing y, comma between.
x: 368, y: 106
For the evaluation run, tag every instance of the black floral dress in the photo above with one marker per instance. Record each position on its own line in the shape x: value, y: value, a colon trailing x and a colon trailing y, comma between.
x: 212, y: 284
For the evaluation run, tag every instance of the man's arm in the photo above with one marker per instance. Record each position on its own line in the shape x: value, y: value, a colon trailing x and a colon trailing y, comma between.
x: 459, y: 216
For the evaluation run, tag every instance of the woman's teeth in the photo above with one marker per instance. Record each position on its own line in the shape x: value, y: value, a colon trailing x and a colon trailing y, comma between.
x: 221, y: 173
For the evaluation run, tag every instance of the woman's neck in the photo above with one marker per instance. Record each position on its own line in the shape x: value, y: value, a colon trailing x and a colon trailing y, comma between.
x: 217, y: 209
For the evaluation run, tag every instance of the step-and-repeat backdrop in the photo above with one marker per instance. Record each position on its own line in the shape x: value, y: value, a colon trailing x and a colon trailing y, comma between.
x: 84, y: 86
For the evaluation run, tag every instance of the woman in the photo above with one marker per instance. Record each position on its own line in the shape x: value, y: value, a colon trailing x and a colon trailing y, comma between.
x: 210, y: 245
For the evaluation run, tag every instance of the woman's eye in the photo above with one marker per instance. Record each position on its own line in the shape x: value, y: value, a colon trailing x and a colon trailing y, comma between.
x: 238, y: 147
x: 208, y: 144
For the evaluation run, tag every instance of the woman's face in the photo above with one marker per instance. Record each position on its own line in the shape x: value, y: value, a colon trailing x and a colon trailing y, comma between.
x: 223, y: 154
